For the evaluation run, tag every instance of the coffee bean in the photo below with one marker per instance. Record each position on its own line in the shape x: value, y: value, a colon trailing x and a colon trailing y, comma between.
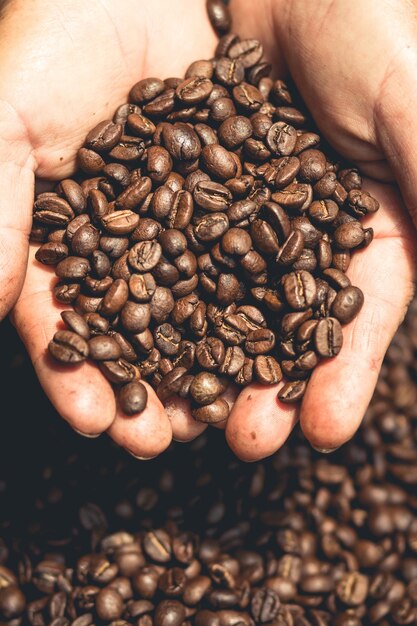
x: 180, y: 140
x: 210, y: 353
x: 109, y: 604
x: 347, y: 304
x: 281, y: 139
x: 328, y: 338
x: 234, y: 131
x: 104, y: 136
x: 194, y: 89
x: 68, y: 347
x: 144, y: 256
x: 135, y: 317
x: 229, y: 71
x: 219, y: 162
x: 213, y: 413
x: 349, y: 235
x: 205, y: 388
x: 292, y: 391
x: 267, y: 370
x: 51, y: 253
x: 248, y: 51
x: 169, y: 612
x: 146, y: 89
x: 300, y: 290
x: 264, y: 605
x: 133, y: 398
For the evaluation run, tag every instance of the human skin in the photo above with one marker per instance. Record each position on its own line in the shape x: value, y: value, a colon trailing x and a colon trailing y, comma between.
x: 65, y: 66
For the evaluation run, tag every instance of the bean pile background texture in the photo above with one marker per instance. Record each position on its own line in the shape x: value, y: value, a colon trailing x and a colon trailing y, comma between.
x: 297, y: 540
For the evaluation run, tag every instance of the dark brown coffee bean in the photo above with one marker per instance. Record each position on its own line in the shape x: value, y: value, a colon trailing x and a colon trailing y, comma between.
x: 276, y: 216
x: 205, y: 388
x: 265, y: 605
x: 66, y: 293
x: 233, y: 361
x: 299, y: 289
x: 229, y: 72
x: 73, y: 194
x: 51, y: 253
x: 159, y: 163
x: 104, y: 348
x: 248, y: 51
x: 292, y: 391
x: 167, y: 339
x: 210, y: 353
x: 161, y: 304
x: 104, y: 136
x: 234, y: 131
x: 323, y: 211
x: 221, y: 109
x: 264, y: 237
x: 133, y: 398
x: 267, y: 370
x: 328, y: 338
x: 352, y: 589
x: 135, y: 317
x: 170, y: 612
x: 118, y: 372
x: 76, y: 323
x: 181, y: 210
x: 213, y: 413
x: 210, y: 227
x: 347, y: 304
x: 259, y: 341
x: 181, y: 140
x: 361, y: 202
x: 349, y: 235
x: 194, y: 90
x: 146, y: 89
x: 144, y: 256
x: 281, y: 139
x: 68, y: 347
x: 219, y: 162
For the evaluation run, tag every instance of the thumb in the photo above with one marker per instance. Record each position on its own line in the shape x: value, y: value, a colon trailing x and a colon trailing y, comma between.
x: 17, y: 166
x: 396, y: 124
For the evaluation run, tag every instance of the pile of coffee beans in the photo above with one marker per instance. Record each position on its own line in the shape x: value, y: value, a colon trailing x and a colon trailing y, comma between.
x: 200, y: 539
x: 205, y: 237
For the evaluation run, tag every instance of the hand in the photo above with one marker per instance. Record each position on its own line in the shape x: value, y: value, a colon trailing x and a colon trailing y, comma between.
x: 355, y: 65
x: 65, y: 66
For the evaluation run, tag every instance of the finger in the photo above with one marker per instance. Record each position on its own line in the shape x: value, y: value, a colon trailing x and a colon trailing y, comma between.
x: 80, y: 394
x: 144, y: 435
x: 16, y: 197
x: 259, y: 424
x: 340, y: 389
x: 184, y: 426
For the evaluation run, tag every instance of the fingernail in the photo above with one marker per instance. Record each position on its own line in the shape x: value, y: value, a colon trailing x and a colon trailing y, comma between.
x: 139, y: 458
x: 325, y: 450
x: 86, y: 435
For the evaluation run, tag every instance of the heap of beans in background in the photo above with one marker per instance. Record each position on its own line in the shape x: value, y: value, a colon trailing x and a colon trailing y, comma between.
x: 200, y: 539
x: 205, y: 237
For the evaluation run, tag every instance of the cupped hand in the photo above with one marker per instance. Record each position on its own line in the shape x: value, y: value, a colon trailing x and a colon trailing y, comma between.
x: 65, y: 66
x: 355, y: 65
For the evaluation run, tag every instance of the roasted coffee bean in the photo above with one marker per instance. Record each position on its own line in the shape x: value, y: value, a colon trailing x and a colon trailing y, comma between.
x: 229, y: 72
x: 219, y: 162
x: 300, y: 290
x: 205, y: 388
x: 144, y: 256
x: 347, y: 304
x: 68, y: 347
x: 281, y: 138
x: 213, y: 413
x: 264, y: 237
x: 180, y: 140
x: 104, y: 348
x: 349, y: 235
x: 73, y: 268
x: 51, y: 253
x: 292, y: 391
x: 323, y: 211
x: 104, y: 136
x: 210, y: 353
x: 328, y: 338
x: 135, y: 317
x: 234, y: 131
x: 267, y: 370
x: 194, y: 89
x: 133, y: 398
x: 115, y: 298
